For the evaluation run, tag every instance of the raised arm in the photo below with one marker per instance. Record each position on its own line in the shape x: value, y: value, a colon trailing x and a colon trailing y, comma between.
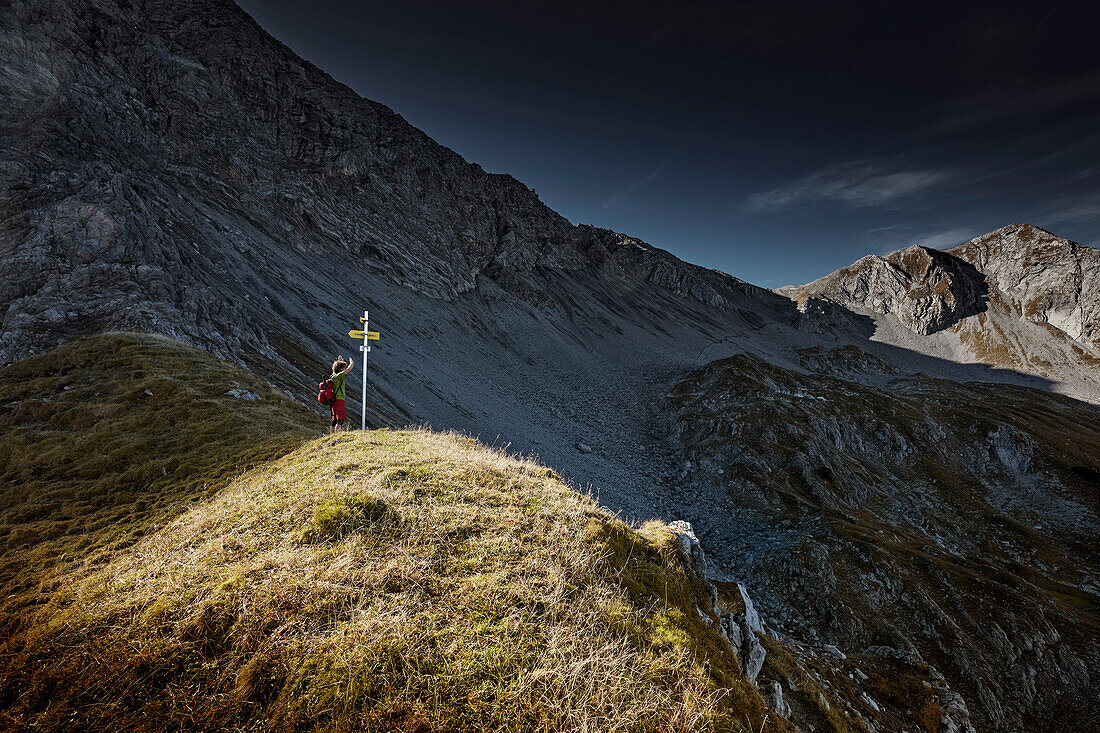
x: 351, y: 363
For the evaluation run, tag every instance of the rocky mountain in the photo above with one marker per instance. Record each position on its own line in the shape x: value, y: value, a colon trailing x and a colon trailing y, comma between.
x: 168, y: 167
x: 1042, y: 277
x: 925, y: 289
x: 1019, y: 298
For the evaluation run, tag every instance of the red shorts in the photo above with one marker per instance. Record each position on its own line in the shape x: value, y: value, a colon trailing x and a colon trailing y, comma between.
x: 338, y: 410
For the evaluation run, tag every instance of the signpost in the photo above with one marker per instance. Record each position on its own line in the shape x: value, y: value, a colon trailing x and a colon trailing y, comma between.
x: 366, y: 337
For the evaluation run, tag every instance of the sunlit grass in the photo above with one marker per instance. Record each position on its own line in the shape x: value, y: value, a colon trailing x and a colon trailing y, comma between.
x: 386, y: 580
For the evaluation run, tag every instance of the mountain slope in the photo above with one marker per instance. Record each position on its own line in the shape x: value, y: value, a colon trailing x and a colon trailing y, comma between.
x: 185, y: 161
x: 1045, y: 278
x: 111, y: 435
x: 172, y: 168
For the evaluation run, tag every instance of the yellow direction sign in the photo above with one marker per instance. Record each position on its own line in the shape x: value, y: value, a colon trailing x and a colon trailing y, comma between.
x: 369, y: 335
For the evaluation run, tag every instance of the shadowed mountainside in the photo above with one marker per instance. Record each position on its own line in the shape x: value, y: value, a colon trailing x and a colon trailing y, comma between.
x: 959, y: 521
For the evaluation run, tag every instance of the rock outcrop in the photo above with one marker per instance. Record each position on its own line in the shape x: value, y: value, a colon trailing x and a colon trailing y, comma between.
x: 775, y: 699
x: 1045, y: 278
x: 925, y: 289
x: 739, y: 629
x: 1018, y: 298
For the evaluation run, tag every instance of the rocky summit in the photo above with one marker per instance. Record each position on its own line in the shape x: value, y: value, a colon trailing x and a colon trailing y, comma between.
x: 893, y: 469
x: 1020, y: 298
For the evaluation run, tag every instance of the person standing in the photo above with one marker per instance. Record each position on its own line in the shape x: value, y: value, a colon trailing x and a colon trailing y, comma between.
x: 340, y: 369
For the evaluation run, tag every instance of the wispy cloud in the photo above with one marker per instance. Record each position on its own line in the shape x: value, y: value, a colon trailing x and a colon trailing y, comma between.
x: 885, y: 240
x: 946, y: 239
x: 627, y: 191
x: 1081, y: 212
x: 860, y: 184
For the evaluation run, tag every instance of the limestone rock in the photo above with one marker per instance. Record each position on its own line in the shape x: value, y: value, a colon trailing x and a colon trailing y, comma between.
x: 691, y: 550
x: 775, y: 699
x: 1044, y: 277
x: 927, y: 290
x: 752, y: 654
x: 1018, y: 298
x: 741, y: 629
x: 752, y: 618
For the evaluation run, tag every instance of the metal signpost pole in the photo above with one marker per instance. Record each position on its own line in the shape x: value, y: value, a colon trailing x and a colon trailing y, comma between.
x: 367, y: 335
x: 365, y: 348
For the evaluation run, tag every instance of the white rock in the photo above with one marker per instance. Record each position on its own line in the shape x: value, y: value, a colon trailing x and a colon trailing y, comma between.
x: 752, y: 618
x: 775, y: 699
x: 243, y: 394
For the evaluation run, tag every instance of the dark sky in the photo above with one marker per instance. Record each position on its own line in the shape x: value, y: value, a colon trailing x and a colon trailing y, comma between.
x: 776, y: 141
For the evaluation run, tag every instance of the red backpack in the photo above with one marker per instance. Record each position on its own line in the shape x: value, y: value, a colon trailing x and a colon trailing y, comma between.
x: 326, y: 395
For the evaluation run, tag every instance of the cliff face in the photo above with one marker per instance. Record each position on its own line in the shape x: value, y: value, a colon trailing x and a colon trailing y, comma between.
x: 925, y: 289
x: 1019, y: 298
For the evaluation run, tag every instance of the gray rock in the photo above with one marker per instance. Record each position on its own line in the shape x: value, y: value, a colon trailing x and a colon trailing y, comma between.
x: 243, y: 394
x: 752, y: 653
x: 927, y: 290
x: 691, y: 550
x: 752, y: 618
x: 1046, y: 278
x: 775, y: 699
x: 740, y: 630
x: 582, y: 447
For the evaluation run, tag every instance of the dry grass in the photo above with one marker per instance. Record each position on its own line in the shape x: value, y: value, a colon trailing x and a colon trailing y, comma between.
x: 382, y: 581
x: 109, y: 436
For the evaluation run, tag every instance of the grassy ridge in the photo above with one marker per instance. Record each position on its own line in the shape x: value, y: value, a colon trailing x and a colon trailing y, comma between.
x: 108, y: 436
x: 369, y: 581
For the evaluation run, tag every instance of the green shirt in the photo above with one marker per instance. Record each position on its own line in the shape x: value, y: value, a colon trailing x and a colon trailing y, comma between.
x: 338, y: 391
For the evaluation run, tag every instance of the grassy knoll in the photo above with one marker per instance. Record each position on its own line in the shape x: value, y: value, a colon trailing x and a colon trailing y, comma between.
x: 386, y: 580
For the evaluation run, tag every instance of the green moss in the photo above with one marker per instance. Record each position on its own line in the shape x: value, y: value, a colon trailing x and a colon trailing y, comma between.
x: 333, y: 521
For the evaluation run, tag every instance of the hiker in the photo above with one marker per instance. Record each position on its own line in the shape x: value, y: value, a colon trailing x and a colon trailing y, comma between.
x: 340, y: 370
